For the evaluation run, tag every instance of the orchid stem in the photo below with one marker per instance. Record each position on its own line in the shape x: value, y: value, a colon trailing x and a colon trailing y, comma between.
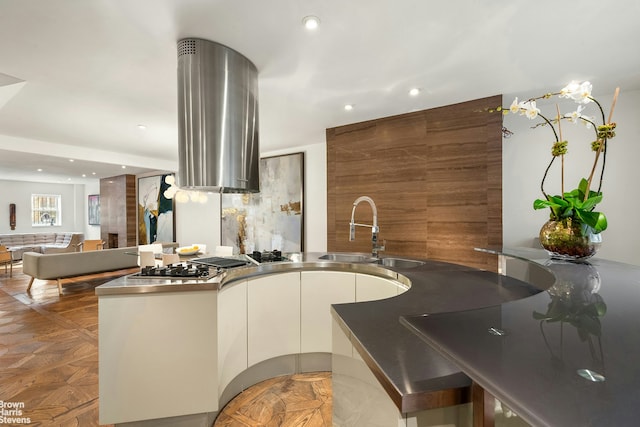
x: 602, y: 148
x: 562, y: 159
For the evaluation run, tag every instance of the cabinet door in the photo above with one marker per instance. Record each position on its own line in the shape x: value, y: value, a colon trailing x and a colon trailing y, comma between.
x: 232, y: 332
x: 274, y: 316
x: 320, y: 289
x: 371, y: 288
x: 157, y: 355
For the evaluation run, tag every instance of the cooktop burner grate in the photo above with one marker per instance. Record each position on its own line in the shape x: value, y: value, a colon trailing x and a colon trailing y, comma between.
x: 181, y: 270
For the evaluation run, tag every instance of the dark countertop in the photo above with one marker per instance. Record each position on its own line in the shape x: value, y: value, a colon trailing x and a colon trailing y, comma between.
x: 541, y: 368
x: 414, y: 375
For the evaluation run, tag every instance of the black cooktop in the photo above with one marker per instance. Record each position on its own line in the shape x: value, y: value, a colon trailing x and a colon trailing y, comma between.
x: 220, y: 262
x: 178, y: 270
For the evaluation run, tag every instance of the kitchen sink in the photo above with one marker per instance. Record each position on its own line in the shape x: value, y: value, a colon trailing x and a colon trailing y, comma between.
x: 400, y: 262
x: 348, y: 257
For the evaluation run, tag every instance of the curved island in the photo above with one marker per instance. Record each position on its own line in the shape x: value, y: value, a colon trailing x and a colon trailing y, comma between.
x: 176, y: 351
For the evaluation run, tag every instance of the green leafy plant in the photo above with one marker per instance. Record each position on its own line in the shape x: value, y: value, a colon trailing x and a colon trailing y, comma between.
x: 578, y: 204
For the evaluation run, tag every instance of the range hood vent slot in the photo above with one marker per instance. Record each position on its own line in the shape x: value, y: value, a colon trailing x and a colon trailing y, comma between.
x: 218, y: 146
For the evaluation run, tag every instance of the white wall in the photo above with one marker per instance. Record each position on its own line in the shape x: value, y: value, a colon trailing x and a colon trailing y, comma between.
x: 527, y: 153
x: 19, y: 192
x: 200, y: 223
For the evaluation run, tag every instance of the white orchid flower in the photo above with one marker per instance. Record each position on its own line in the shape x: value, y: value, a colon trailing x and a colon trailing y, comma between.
x: 569, y: 90
x: 530, y: 109
x: 574, y: 116
x: 579, y: 92
x: 515, y: 107
x: 583, y: 95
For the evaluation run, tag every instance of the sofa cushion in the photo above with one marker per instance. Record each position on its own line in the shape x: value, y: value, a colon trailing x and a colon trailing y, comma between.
x: 12, y: 240
x: 19, y: 243
x: 62, y: 239
x: 44, y: 238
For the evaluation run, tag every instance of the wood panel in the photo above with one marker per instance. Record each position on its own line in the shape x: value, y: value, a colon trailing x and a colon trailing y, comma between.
x: 118, y: 204
x: 435, y: 176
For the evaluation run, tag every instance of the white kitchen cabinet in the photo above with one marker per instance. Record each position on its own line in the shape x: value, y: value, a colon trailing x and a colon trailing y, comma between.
x: 273, y: 316
x: 157, y: 355
x: 371, y: 288
x: 232, y: 332
x: 320, y: 289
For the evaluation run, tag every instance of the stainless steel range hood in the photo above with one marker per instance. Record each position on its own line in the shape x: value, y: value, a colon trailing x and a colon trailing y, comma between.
x: 218, y: 118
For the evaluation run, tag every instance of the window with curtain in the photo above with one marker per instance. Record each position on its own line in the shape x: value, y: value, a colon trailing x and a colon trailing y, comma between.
x: 46, y: 210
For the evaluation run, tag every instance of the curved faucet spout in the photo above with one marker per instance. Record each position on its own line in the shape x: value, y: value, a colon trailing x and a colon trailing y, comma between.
x: 374, y: 227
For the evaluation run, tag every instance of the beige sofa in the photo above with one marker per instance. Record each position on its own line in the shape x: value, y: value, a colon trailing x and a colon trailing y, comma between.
x: 46, y: 243
x: 61, y: 265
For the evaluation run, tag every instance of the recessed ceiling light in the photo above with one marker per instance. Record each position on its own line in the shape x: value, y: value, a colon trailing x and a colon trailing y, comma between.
x: 124, y: 167
x: 93, y: 173
x: 71, y: 160
x: 142, y: 127
x: 84, y: 175
x: 311, y: 22
x: 348, y: 107
x: 39, y: 170
x: 415, y: 91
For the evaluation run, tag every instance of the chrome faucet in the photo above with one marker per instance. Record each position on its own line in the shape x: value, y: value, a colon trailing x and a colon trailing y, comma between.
x: 374, y: 228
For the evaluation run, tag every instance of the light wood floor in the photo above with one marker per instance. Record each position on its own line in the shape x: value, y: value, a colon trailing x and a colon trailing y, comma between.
x: 49, y: 348
x: 49, y: 362
x: 291, y: 401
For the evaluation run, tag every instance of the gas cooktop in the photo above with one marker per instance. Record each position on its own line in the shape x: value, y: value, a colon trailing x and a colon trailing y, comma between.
x: 206, y: 267
x: 178, y: 270
x: 267, y: 256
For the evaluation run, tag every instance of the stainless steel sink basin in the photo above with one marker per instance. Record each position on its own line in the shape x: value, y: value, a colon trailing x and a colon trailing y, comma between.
x: 400, y: 262
x: 338, y: 257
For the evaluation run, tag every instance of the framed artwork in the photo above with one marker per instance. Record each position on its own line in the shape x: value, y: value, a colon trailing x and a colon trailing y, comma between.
x: 272, y: 219
x: 94, y: 209
x: 155, y: 212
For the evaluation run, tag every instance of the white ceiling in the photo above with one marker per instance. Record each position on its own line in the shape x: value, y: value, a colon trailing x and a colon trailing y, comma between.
x: 78, y: 76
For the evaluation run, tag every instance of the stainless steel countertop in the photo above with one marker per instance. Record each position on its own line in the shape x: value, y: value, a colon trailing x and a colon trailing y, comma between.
x: 132, y: 284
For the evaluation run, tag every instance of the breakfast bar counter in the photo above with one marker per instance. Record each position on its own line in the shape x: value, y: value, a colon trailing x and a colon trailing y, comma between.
x: 564, y: 357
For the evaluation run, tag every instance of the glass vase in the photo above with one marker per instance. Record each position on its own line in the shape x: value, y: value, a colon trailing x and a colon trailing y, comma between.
x: 569, y: 239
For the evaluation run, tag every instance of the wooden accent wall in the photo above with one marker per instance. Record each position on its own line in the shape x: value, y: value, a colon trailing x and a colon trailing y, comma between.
x: 118, y: 209
x: 435, y: 176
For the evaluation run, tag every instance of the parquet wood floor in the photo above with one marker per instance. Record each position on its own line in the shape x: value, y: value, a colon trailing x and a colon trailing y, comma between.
x: 289, y: 401
x: 49, y: 362
x: 49, y: 348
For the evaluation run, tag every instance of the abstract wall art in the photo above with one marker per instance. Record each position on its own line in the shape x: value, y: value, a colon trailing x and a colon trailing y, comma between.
x: 94, y: 209
x: 272, y: 219
x: 155, y: 212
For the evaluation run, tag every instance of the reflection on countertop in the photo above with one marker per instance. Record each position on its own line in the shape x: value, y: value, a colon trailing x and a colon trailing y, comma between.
x: 575, y: 346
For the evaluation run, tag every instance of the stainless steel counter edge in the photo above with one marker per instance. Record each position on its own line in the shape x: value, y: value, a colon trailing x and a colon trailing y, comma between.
x: 301, y: 262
